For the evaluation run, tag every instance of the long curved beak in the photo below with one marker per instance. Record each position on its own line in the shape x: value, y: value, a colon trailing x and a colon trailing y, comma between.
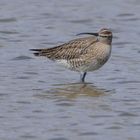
x: 95, y: 34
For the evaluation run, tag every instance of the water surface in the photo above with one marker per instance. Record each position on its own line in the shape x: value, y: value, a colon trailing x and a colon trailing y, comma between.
x: 40, y: 100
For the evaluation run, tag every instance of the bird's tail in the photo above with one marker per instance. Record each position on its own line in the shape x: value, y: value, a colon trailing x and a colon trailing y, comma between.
x: 47, y: 52
x: 37, y: 52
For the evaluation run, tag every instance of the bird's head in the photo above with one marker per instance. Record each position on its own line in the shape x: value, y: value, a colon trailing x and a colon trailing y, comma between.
x: 104, y: 35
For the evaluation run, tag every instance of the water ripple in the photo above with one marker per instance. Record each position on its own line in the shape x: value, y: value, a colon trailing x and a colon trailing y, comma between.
x: 22, y: 57
x: 8, y: 20
x: 88, y: 133
x: 58, y: 138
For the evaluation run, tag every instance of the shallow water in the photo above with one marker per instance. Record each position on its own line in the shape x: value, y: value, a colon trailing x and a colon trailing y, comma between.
x: 40, y: 100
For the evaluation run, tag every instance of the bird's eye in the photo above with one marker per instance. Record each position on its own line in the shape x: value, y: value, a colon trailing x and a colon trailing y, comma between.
x: 104, y: 36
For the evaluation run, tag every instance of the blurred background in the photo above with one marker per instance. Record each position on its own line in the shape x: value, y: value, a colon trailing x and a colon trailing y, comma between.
x: 40, y: 100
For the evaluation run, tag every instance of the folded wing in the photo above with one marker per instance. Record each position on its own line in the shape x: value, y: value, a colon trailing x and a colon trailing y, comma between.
x: 71, y: 50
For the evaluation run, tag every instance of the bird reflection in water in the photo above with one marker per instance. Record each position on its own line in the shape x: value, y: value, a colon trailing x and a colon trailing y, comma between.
x: 75, y: 90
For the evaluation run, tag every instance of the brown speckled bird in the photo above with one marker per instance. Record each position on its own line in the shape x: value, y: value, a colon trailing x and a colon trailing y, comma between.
x: 82, y: 54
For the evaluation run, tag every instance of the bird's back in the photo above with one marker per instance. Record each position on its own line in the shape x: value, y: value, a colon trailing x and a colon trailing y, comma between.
x: 71, y: 50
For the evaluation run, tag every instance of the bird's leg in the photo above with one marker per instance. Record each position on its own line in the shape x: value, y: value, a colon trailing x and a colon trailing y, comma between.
x: 82, y: 77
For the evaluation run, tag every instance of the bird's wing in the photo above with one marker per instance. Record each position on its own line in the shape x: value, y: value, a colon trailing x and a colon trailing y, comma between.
x: 71, y: 50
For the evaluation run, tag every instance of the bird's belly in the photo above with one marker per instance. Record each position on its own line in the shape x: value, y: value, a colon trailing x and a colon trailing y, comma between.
x: 94, y: 64
x: 90, y: 66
